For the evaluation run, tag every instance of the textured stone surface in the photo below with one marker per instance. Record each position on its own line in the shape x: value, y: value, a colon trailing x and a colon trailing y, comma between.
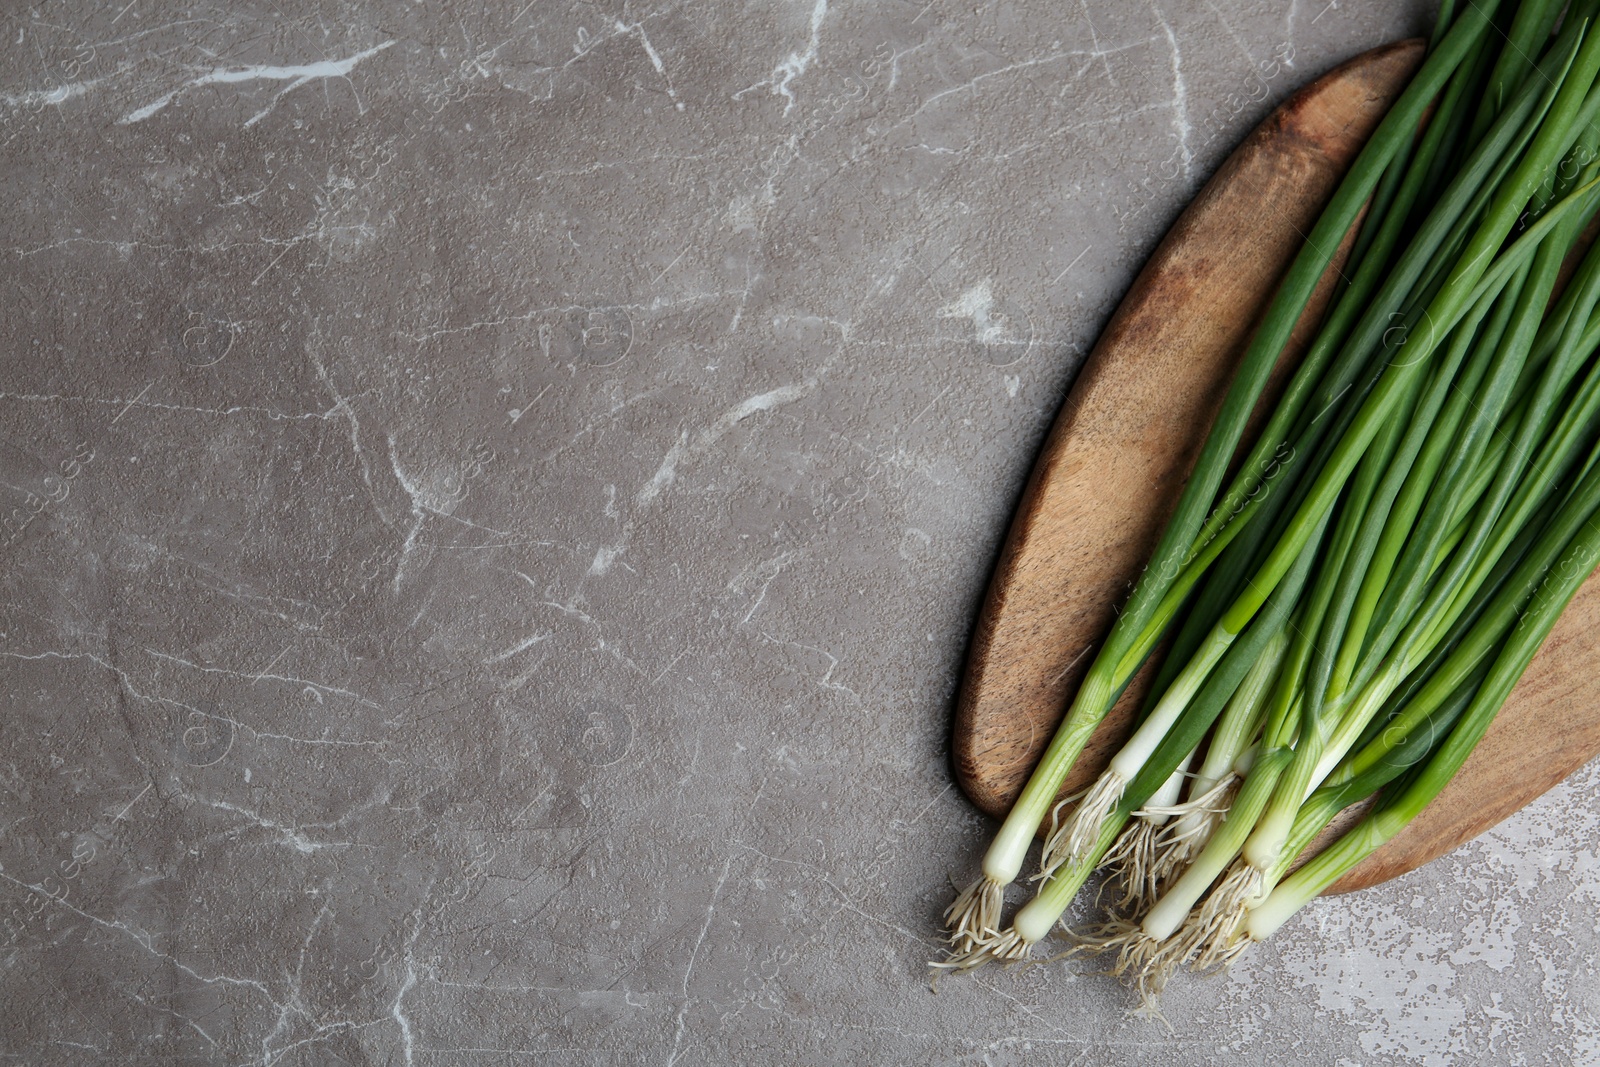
x: 497, y: 495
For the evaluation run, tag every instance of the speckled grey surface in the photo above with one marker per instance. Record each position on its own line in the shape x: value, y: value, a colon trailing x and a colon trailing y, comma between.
x: 497, y: 494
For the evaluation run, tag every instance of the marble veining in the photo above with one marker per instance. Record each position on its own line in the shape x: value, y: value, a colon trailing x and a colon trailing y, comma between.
x: 494, y: 500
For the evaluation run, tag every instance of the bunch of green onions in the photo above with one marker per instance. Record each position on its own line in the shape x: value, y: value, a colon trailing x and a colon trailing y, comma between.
x: 1348, y: 612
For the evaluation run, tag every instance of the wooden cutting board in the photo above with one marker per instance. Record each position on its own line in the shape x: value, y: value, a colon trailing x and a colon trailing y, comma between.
x: 1124, y: 442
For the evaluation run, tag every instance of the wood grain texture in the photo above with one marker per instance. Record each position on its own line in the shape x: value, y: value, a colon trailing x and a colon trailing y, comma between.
x: 1125, y: 441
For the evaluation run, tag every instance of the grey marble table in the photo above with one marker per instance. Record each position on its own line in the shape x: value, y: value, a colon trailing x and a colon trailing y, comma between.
x: 496, y: 498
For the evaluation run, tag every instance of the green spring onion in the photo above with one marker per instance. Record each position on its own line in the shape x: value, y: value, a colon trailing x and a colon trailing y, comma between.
x: 1346, y: 613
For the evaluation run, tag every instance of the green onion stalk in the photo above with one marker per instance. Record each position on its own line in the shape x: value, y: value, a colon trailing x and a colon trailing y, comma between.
x: 1503, y: 290
x: 1199, y: 518
x: 1538, y: 616
x: 1347, y: 610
